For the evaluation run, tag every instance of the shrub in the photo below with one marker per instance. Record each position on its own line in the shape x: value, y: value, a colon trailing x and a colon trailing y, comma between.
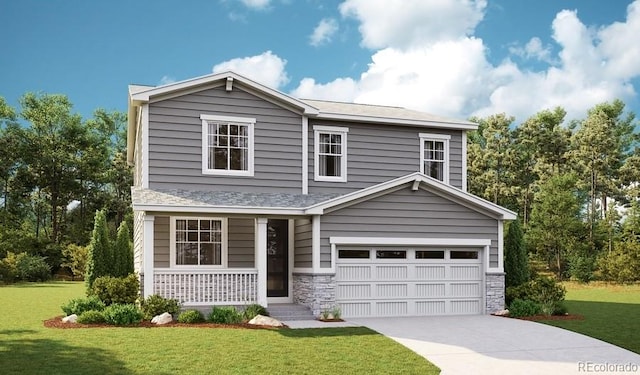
x: 156, y: 305
x: 100, y: 255
x: 190, y: 317
x: 79, y: 305
x: 621, y: 265
x: 8, y: 268
x: 516, y: 260
x: 581, y: 268
x: 560, y: 309
x: 91, y: 317
x: 543, y: 290
x: 120, y: 290
x: 75, y: 258
x: 32, y: 268
x: 523, y: 307
x: 224, y: 315
x: 123, y: 251
x: 122, y: 314
x: 252, y: 310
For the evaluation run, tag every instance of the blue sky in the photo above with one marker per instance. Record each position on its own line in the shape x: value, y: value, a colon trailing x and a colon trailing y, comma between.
x: 453, y: 58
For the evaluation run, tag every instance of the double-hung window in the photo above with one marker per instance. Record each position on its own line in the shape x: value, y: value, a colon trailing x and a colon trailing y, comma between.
x: 198, y: 242
x: 330, y: 153
x: 227, y: 145
x: 434, y: 156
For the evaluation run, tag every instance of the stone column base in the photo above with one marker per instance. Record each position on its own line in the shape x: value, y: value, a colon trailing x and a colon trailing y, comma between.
x: 318, y: 292
x: 494, y: 293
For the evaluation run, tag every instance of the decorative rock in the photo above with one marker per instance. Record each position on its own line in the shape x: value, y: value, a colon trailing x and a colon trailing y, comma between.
x: 163, y: 318
x: 504, y: 312
x: 262, y: 320
x: 73, y: 318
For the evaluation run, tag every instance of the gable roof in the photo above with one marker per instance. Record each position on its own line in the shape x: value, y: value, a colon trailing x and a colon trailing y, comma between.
x: 418, y: 180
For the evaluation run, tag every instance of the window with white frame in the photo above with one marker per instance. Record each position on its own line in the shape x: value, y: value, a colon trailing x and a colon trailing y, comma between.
x: 198, y: 241
x: 434, y: 156
x: 227, y: 145
x: 330, y: 153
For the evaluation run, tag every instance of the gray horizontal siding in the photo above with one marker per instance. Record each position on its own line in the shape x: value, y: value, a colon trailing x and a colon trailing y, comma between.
x: 378, y: 153
x: 302, y: 239
x: 175, y: 143
x: 408, y: 214
x: 161, y: 242
x: 241, y: 243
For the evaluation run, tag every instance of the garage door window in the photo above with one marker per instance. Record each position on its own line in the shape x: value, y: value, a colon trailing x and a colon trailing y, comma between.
x: 353, y: 254
x: 391, y: 254
x: 464, y: 255
x: 430, y: 254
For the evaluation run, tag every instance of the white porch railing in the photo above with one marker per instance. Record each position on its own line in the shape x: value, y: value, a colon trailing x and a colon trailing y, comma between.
x: 207, y: 287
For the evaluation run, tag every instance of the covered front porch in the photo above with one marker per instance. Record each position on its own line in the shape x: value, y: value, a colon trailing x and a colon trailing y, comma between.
x: 207, y: 260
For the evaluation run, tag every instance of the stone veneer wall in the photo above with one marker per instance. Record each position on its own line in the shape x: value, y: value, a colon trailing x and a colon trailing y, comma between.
x: 318, y: 292
x: 494, y: 292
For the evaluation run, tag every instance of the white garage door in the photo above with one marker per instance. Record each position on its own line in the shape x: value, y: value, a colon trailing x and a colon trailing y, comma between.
x: 404, y: 282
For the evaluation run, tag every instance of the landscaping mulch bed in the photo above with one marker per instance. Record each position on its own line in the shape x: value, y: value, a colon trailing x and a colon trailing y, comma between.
x: 57, y: 323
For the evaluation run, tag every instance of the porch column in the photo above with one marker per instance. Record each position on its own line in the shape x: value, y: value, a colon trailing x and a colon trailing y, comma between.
x: 315, y: 243
x: 261, y: 259
x: 147, y: 254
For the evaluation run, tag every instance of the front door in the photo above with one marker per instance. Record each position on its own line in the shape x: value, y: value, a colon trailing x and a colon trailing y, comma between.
x: 277, y: 258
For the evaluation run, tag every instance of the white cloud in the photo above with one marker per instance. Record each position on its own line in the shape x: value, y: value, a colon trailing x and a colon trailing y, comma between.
x: 165, y: 80
x: 533, y: 50
x: 413, y: 22
x: 266, y: 68
x: 323, y: 32
x: 428, y: 59
x: 256, y: 4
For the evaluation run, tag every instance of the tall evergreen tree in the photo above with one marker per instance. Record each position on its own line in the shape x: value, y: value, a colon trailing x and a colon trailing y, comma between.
x: 516, y: 261
x: 123, y: 251
x: 100, y: 260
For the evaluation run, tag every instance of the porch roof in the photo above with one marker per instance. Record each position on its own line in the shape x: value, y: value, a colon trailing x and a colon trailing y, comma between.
x: 174, y: 200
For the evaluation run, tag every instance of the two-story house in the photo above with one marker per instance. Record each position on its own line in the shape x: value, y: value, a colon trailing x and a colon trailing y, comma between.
x: 245, y: 194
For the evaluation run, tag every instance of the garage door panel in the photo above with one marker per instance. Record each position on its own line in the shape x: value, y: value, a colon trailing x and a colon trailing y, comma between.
x: 430, y: 307
x: 395, y: 308
x: 465, y: 272
x: 465, y: 289
x: 465, y: 307
x: 353, y: 291
x: 391, y: 290
x: 353, y: 272
x: 431, y: 290
x: 391, y: 272
x: 430, y: 272
x: 355, y: 308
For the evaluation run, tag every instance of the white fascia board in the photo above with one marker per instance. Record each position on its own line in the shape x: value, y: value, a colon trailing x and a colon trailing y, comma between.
x: 219, y: 209
x: 404, y: 241
x: 146, y: 95
x: 398, y: 121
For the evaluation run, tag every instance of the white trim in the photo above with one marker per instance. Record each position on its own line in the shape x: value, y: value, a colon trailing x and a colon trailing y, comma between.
x: 444, y: 138
x: 487, y: 258
x: 229, y: 85
x: 172, y: 243
x: 464, y: 161
x: 148, y: 249
x: 220, y: 209
x: 404, y: 241
x: 315, y: 243
x: 500, y: 246
x: 145, y: 146
x: 503, y: 213
x: 244, y: 121
x: 261, y: 259
x: 339, y: 130
x: 305, y: 270
x: 305, y: 155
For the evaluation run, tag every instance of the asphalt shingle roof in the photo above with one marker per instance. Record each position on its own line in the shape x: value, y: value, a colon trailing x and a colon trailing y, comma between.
x: 177, y: 197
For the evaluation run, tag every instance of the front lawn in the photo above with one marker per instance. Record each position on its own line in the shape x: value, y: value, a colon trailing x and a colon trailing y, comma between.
x: 610, y: 313
x: 27, y: 347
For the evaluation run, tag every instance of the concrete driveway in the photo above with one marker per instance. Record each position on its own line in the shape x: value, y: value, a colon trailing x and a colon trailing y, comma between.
x: 495, y: 345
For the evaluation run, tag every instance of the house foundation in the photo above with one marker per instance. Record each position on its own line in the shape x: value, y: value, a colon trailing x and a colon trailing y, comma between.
x: 318, y: 292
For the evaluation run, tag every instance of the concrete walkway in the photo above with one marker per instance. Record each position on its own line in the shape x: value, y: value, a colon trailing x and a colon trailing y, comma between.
x: 495, y: 345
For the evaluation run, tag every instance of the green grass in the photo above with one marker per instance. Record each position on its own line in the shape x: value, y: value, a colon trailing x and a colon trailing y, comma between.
x: 610, y: 313
x: 27, y: 347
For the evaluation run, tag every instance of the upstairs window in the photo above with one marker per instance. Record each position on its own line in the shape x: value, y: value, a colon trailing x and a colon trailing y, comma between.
x: 434, y: 156
x: 330, y: 153
x: 227, y: 145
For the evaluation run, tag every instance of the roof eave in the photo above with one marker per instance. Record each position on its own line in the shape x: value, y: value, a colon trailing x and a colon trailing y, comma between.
x: 219, y: 209
x: 398, y: 121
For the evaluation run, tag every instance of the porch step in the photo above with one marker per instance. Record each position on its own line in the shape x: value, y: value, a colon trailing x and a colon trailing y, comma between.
x: 289, y: 311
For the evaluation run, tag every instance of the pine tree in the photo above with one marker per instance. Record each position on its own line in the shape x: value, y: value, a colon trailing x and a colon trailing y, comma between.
x: 123, y: 252
x: 516, y: 262
x: 100, y: 257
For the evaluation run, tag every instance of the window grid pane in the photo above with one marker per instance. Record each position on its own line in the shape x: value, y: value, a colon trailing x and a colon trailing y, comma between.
x: 434, y: 158
x: 228, y: 146
x: 198, y: 242
x: 330, y: 154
